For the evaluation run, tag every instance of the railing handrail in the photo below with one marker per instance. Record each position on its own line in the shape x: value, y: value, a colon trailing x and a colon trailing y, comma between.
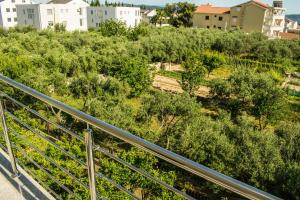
x: 211, y: 175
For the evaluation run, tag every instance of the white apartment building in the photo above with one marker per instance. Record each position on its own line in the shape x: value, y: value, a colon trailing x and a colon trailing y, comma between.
x: 290, y: 25
x: 131, y: 16
x: 71, y: 13
x: 8, y: 12
x: 147, y: 15
x: 274, y: 20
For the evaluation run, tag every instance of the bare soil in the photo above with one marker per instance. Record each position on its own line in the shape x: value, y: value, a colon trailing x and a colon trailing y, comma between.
x: 172, y: 85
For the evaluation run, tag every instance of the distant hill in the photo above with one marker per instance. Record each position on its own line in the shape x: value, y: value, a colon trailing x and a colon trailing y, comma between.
x: 294, y: 17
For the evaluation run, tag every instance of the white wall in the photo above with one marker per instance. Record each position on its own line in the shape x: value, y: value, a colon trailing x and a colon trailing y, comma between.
x: 130, y: 15
x: 47, y: 15
x: 8, y: 12
x: 75, y: 15
x: 97, y: 15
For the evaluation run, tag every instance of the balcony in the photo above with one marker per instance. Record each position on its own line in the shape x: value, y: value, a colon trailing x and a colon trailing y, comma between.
x: 35, y: 145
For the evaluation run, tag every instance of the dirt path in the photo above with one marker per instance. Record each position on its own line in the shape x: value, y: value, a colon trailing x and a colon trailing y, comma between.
x: 172, y: 85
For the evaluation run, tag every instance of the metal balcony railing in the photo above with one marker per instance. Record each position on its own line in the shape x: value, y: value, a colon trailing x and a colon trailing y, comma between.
x: 9, y: 132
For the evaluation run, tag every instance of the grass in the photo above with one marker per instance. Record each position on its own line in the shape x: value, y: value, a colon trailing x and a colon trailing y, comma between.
x: 221, y: 72
x: 171, y: 74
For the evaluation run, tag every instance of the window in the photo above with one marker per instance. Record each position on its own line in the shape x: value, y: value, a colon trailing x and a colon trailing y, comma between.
x: 81, y: 22
x: 92, y: 12
x: 15, y: 19
x: 208, y: 27
x: 220, y: 18
x: 23, y: 1
x: 238, y: 9
x: 50, y: 23
x: 206, y: 17
x: 30, y: 13
x: 278, y: 22
x: 24, y: 11
x: 14, y: 9
x: 97, y: 24
x: 276, y: 33
x: 234, y: 19
x: 9, y: 19
x: 25, y: 21
x: 80, y: 11
x: 215, y: 26
x: 7, y: 9
x: 92, y: 20
x: 105, y: 12
x: 49, y: 11
x: 13, y: 1
x: 30, y: 16
x: 219, y: 27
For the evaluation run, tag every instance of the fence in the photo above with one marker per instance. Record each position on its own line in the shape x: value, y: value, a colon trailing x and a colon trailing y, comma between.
x: 16, y: 144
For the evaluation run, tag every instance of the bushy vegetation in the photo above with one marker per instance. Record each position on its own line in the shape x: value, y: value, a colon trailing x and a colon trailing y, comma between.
x: 245, y: 129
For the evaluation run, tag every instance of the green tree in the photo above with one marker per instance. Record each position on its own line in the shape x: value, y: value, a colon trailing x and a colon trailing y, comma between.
x: 159, y: 18
x: 113, y: 28
x: 256, y: 93
x: 192, y: 76
x: 169, y: 110
x: 86, y: 87
x: 180, y: 14
x: 211, y: 61
x: 97, y: 3
x: 59, y: 27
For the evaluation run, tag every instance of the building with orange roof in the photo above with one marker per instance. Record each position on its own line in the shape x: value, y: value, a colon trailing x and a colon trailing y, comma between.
x: 251, y: 16
x: 211, y: 17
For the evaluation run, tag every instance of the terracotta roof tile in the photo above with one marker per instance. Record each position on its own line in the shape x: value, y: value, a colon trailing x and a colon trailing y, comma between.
x: 211, y: 9
x: 289, y: 36
x: 257, y: 2
x: 261, y: 3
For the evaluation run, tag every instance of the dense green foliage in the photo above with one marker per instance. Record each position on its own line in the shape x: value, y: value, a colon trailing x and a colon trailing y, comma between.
x: 246, y: 128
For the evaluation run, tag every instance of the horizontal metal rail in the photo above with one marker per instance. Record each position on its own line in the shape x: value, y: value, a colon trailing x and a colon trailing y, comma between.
x: 143, y: 173
x: 49, y: 159
x: 3, y: 147
x: 42, y: 117
x: 102, y: 176
x: 38, y: 179
x: 173, y: 158
x: 46, y: 172
x: 15, y: 118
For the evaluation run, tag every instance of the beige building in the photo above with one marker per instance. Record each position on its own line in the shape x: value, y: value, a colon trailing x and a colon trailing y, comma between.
x: 208, y: 16
x: 251, y: 16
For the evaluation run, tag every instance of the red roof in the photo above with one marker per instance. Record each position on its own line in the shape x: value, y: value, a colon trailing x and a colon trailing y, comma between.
x: 211, y: 9
x: 261, y: 3
x: 289, y: 36
x: 257, y: 2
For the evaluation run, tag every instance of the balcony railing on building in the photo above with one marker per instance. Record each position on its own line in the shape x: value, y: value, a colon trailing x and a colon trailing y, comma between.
x: 24, y: 149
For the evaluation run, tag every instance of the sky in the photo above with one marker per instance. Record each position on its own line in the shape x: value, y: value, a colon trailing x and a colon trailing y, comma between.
x: 292, y: 6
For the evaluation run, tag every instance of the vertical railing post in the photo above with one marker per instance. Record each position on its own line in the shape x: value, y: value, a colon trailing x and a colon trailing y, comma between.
x: 15, y: 172
x: 90, y: 163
